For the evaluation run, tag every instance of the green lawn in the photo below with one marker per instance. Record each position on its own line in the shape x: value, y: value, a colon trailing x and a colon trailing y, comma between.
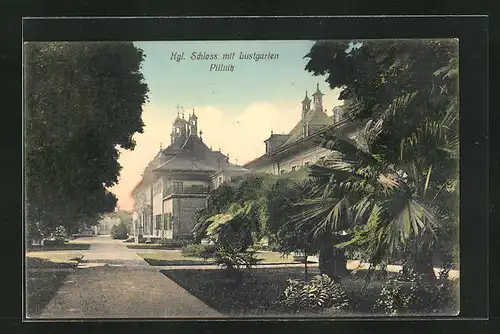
x: 145, y: 246
x: 51, y: 260
x: 63, y: 247
x: 174, y: 257
x: 170, y: 258
x: 40, y: 288
x: 261, y: 289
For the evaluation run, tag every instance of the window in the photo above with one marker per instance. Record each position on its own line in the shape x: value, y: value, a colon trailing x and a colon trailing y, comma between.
x: 306, y: 163
x: 165, y: 221
x: 322, y: 159
x: 158, y: 221
x: 282, y: 172
x: 178, y: 186
x: 294, y: 168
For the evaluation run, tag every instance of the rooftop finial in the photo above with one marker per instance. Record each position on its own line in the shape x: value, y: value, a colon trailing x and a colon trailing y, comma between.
x: 178, y: 108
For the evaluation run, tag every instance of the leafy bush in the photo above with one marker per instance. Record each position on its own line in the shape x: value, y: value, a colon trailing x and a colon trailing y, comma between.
x: 229, y: 257
x: 410, y: 292
x: 58, y: 236
x: 320, y: 293
x: 199, y: 250
x: 120, y: 231
x: 173, y: 243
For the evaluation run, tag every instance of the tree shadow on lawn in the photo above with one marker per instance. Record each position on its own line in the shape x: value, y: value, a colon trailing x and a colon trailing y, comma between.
x: 261, y: 289
x: 159, y: 262
x: 63, y: 247
x: 42, y: 286
x: 39, y: 263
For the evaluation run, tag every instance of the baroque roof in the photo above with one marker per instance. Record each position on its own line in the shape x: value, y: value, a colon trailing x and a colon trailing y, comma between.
x: 189, y: 154
x: 314, y: 117
x: 318, y: 122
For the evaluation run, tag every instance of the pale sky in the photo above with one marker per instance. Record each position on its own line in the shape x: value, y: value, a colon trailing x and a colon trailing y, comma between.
x: 236, y: 110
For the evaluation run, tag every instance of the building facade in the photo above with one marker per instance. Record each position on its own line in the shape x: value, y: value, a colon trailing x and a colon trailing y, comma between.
x: 176, y: 183
x: 299, y: 148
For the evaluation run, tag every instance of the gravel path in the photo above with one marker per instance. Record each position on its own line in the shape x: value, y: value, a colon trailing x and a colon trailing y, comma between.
x: 114, y: 282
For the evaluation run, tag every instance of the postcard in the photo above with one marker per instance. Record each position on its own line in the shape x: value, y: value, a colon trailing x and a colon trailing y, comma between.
x: 242, y: 178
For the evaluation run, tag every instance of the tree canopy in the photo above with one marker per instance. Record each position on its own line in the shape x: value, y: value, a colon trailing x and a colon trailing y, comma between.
x: 401, y: 185
x: 82, y: 102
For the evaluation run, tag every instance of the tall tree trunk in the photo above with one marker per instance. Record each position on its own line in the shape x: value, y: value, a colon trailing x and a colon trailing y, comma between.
x: 305, y: 267
x: 423, y: 265
x: 332, y: 262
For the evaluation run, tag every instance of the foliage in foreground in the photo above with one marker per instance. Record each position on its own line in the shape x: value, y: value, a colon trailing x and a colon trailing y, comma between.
x: 411, y: 292
x: 321, y: 293
x: 396, y: 189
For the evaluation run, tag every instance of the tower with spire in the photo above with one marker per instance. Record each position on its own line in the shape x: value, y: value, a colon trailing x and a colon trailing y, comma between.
x: 318, y: 99
x: 306, y: 106
x: 193, y: 124
x: 179, y: 127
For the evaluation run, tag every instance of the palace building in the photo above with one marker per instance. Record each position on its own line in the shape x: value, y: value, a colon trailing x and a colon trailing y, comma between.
x: 299, y: 148
x: 176, y: 183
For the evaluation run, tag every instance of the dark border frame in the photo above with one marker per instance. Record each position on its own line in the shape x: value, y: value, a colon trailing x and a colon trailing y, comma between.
x: 472, y: 32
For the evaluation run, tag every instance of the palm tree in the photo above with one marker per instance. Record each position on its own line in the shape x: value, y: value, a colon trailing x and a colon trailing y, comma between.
x: 385, y: 200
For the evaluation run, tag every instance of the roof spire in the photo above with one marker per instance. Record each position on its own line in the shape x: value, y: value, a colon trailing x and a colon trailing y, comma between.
x: 318, y: 92
x: 178, y: 108
x: 306, y: 98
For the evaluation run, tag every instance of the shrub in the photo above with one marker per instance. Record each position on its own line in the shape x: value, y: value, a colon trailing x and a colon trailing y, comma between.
x: 58, y: 236
x: 173, y: 243
x: 119, y: 231
x: 410, y: 292
x: 320, y: 293
x: 199, y: 250
x: 393, y: 299
x: 229, y: 257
